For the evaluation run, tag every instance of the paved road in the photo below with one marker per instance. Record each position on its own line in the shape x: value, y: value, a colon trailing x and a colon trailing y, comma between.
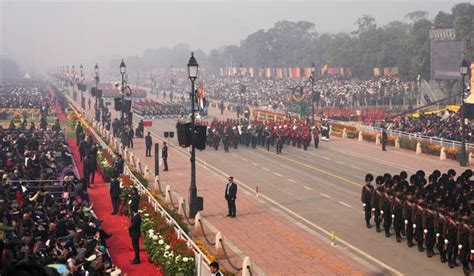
x: 323, y: 187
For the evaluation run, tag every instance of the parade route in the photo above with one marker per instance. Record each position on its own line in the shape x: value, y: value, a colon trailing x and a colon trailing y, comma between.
x: 317, y: 190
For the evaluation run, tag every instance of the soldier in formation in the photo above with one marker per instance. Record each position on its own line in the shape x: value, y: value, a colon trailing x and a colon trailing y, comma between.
x: 434, y: 212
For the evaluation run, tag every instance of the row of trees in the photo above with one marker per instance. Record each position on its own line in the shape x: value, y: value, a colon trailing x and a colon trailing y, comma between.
x: 404, y: 44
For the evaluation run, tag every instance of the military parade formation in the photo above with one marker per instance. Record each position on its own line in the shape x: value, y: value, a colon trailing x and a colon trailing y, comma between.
x: 268, y: 134
x: 433, y: 212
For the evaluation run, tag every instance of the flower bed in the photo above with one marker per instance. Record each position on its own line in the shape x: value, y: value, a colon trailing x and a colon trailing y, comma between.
x: 163, y: 245
x: 104, y: 165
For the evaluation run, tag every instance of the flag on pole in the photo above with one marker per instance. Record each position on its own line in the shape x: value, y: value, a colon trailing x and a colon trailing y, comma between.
x: 201, y: 95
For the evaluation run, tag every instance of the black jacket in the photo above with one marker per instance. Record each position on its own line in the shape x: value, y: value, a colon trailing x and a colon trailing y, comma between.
x: 232, y: 195
x: 148, y: 140
x: 164, y: 152
x: 115, y: 188
x: 135, y: 202
x: 134, y: 229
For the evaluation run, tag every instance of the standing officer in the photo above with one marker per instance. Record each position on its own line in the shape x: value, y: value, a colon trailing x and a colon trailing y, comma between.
x: 230, y: 196
x: 134, y: 231
x: 164, y: 156
x: 419, y: 218
x: 115, y: 195
x: 384, y: 139
x: 367, y: 192
x: 148, y: 144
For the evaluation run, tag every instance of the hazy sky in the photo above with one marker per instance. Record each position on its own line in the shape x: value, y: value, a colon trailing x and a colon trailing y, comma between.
x: 48, y: 33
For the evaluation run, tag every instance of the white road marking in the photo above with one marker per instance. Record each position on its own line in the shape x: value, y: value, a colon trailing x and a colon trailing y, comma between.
x: 244, y: 159
x: 339, y: 162
x: 324, y: 157
x: 307, y: 188
x: 355, y: 167
x: 324, y: 195
x: 255, y: 164
x: 277, y: 174
x: 345, y: 204
x: 266, y: 169
x: 291, y: 180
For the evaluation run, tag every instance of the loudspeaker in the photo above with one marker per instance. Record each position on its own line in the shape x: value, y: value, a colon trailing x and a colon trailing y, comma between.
x: 200, y: 204
x: 157, y: 159
x: 93, y: 91
x: 184, y: 134
x: 127, y: 106
x: 166, y: 133
x: 200, y: 137
x: 117, y: 104
x: 468, y: 110
x: 171, y: 134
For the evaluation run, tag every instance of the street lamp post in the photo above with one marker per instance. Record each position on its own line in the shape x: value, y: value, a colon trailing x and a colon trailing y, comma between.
x: 193, y: 68
x: 81, y: 71
x: 463, y: 70
x: 96, y: 71
x: 312, y: 80
x: 74, y: 82
x: 122, y: 72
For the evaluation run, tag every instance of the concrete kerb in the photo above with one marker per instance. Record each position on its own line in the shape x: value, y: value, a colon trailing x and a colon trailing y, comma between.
x: 246, y: 267
x: 344, y: 133
x: 418, y: 149
x: 442, y: 154
x: 360, y: 138
x: 377, y: 139
x: 181, y: 206
x: 168, y: 194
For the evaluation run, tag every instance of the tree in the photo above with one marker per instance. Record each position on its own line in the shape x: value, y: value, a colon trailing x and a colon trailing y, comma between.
x: 8, y: 69
x: 443, y: 20
x: 416, y: 15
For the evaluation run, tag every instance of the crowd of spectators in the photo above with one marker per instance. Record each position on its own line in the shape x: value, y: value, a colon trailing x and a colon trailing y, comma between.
x: 24, y: 94
x: 47, y: 226
x: 273, y: 93
x: 445, y: 124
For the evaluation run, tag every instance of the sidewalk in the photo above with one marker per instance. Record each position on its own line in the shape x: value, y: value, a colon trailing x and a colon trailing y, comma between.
x: 273, y: 242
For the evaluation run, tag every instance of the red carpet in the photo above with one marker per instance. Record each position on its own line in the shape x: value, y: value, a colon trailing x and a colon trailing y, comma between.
x: 119, y: 245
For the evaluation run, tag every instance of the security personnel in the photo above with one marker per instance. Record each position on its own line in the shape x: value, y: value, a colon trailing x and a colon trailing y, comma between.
x: 367, y: 192
x: 376, y: 201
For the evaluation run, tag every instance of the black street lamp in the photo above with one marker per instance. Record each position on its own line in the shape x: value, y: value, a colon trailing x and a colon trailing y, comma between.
x: 463, y: 68
x: 74, y: 82
x: 96, y: 79
x: 81, y: 71
x: 193, y: 69
x: 312, y: 80
x: 122, y: 72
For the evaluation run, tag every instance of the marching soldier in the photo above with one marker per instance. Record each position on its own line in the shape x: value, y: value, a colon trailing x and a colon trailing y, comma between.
x: 387, y: 208
x: 376, y: 201
x: 408, y: 215
x: 452, y: 234
x: 397, y: 210
x: 428, y: 228
x: 464, y: 246
x: 440, y: 229
x: 367, y: 192
x: 418, y: 216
